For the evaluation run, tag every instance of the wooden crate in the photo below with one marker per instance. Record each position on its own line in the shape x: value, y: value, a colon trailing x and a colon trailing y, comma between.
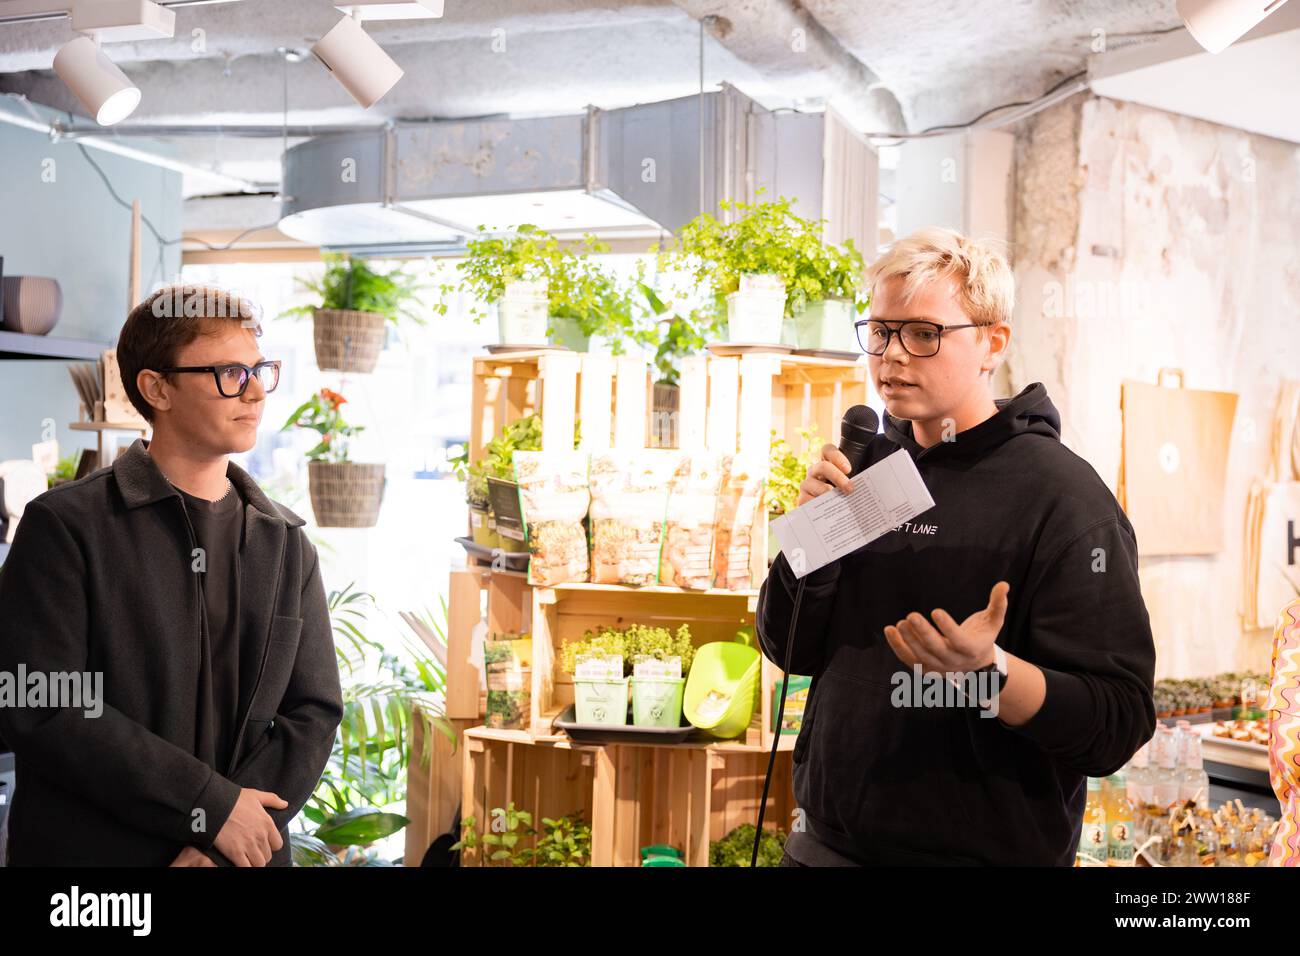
x: 632, y: 795
x: 726, y: 404
x: 434, y: 785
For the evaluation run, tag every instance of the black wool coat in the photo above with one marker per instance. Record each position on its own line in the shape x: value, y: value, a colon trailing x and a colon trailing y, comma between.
x: 99, y: 579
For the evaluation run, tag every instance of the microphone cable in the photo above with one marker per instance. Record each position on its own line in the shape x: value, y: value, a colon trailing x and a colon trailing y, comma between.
x: 780, y: 713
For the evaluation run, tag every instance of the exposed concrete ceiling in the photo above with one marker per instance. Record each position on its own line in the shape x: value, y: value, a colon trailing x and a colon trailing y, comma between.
x: 922, y: 62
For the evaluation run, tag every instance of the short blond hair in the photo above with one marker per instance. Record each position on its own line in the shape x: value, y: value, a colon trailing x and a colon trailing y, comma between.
x: 986, y: 288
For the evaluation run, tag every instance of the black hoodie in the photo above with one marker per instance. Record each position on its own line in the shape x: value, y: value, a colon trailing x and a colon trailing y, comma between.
x: 944, y: 785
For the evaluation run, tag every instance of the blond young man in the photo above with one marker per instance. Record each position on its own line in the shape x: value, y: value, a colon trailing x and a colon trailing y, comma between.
x: 1024, y: 572
x: 200, y: 602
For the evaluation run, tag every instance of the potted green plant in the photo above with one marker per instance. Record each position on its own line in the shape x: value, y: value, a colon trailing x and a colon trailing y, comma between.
x: 660, y: 662
x: 652, y: 662
x: 829, y: 278
x: 786, y: 472
x: 600, y: 684
x: 544, y: 293
x: 350, y: 325
x: 765, y: 266
x: 344, y: 493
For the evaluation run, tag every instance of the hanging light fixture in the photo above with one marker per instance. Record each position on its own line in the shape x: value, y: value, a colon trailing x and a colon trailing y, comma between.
x: 96, y: 81
x: 359, y: 63
x: 1217, y: 24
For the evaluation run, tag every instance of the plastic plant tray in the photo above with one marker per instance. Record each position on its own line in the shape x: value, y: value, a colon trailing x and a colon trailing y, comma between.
x: 626, y: 734
x: 515, y: 560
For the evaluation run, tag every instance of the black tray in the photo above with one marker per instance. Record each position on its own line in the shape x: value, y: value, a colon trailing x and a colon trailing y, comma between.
x: 515, y: 560
x: 627, y: 734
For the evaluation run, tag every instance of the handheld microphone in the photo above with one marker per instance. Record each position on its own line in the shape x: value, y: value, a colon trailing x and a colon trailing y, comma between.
x: 857, y: 431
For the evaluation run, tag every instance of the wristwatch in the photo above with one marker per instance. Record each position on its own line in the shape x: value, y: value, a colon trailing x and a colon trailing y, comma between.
x: 999, y: 667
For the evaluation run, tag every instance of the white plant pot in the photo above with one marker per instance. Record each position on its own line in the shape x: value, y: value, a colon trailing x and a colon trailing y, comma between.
x: 522, y: 314
x: 756, y: 315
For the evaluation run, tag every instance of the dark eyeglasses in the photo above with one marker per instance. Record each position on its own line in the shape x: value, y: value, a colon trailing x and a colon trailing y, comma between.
x: 919, y: 337
x: 233, y: 378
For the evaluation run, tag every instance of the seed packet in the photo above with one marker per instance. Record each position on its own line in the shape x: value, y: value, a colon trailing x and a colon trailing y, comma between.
x: 554, y: 496
x: 738, y: 507
x: 629, y: 493
x: 688, y: 533
x: 507, y: 661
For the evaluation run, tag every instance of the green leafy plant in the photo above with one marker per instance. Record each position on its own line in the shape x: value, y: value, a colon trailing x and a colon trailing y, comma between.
x: 65, y: 470
x: 634, y: 643
x: 577, y: 287
x: 737, y: 847
x: 787, y: 470
x: 350, y: 284
x: 676, y: 336
x: 765, y: 238
x: 366, y: 774
x: 565, y: 841
x: 321, y: 413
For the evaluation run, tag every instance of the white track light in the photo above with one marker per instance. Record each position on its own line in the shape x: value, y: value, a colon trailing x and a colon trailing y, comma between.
x: 96, y: 81
x: 1217, y: 24
x: 357, y: 62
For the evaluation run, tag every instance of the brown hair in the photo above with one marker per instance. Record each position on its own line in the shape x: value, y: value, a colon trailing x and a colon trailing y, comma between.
x: 168, y: 320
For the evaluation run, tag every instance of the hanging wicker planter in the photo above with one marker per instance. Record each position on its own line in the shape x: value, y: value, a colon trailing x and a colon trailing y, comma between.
x: 348, y: 341
x: 345, y: 494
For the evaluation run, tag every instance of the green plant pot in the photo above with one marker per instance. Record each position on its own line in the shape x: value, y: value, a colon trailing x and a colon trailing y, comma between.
x: 522, y: 314
x: 827, y: 324
x: 568, y: 333
x: 600, y: 701
x: 480, y: 530
x: 657, y: 701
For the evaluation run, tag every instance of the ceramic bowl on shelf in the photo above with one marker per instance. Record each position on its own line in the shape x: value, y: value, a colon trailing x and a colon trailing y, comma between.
x: 32, y: 304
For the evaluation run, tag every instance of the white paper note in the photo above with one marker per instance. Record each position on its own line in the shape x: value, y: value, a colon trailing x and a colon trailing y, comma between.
x: 832, y: 525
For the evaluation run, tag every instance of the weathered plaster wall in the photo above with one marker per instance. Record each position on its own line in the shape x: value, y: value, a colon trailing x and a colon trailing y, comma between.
x: 1147, y: 240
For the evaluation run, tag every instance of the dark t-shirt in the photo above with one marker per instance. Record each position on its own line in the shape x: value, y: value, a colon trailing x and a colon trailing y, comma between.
x: 219, y: 528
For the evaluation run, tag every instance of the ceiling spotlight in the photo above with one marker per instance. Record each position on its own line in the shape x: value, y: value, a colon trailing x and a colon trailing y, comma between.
x: 1217, y: 24
x: 96, y: 81
x: 357, y: 62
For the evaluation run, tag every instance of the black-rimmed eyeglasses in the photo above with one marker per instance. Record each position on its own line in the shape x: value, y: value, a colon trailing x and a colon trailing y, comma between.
x: 233, y: 378
x: 919, y: 337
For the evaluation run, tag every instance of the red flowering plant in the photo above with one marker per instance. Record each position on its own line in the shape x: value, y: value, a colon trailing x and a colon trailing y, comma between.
x: 321, y: 413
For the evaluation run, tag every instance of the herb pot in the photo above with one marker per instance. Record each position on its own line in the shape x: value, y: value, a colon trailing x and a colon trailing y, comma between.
x: 568, y: 333
x: 480, y: 529
x: 522, y: 314
x: 827, y: 324
x: 600, y: 701
x: 756, y: 311
x: 657, y: 701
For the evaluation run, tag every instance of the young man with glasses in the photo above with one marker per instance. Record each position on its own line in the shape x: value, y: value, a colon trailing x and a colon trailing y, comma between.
x: 1024, y: 575
x: 199, y: 601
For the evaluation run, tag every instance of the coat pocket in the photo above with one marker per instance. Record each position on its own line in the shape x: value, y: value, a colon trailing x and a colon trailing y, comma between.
x: 277, y: 668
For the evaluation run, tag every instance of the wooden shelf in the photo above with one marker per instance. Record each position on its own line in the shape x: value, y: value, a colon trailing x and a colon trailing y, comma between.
x: 19, y: 345
x: 656, y: 589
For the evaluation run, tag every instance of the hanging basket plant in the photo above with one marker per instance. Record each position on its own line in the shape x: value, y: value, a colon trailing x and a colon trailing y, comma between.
x: 357, y: 305
x: 344, y: 493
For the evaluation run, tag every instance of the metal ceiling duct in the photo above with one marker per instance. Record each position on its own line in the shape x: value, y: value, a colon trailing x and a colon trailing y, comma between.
x: 625, y: 173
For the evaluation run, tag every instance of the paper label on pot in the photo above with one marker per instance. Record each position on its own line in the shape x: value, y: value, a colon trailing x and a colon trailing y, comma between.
x: 652, y: 667
x: 592, y: 667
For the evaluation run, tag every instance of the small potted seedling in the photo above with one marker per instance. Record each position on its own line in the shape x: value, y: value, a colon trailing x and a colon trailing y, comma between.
x: 660, y: 662
x: 600, y: 687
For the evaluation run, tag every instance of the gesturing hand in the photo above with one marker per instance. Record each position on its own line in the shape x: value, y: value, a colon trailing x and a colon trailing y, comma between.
x: 953, y: 647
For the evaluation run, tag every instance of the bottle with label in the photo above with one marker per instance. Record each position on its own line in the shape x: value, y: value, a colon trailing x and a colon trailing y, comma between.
x: 1138, y: 780
x: 1092, y: 839
x: 1166, y: 775
x: 1193, y: 781
x: 1119, y: 822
